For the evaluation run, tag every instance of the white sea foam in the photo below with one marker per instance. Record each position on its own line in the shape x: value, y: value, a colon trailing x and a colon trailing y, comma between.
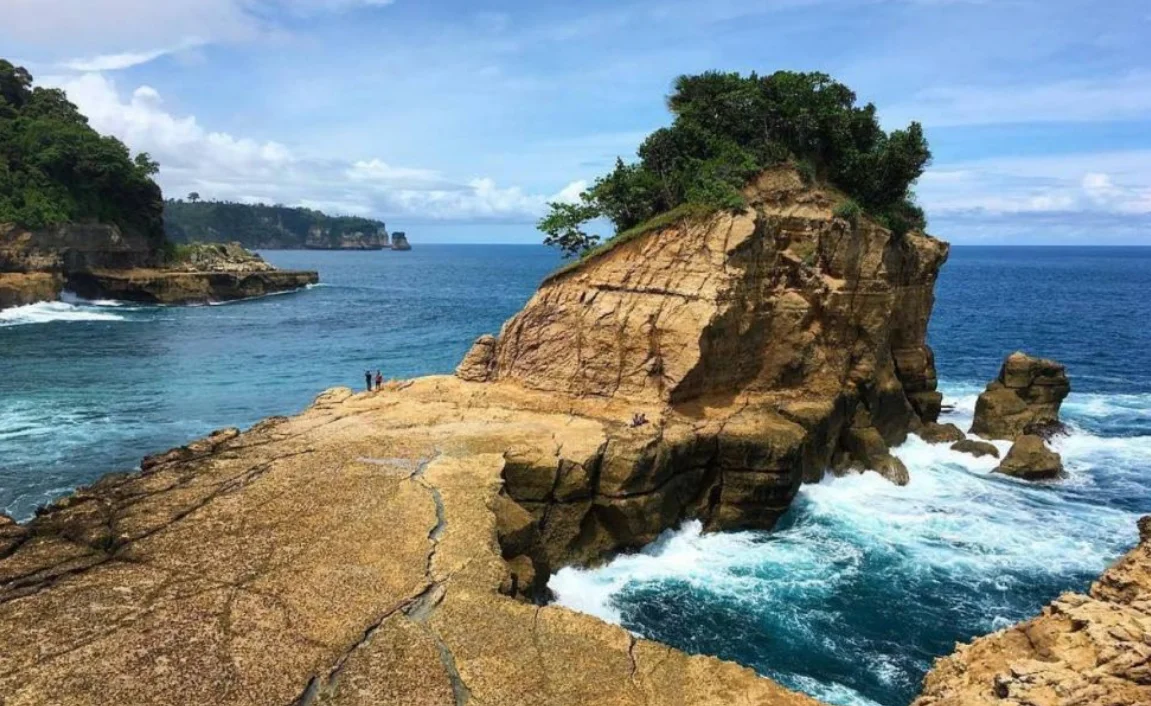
x: 49, y: 312
x: 956, y: 522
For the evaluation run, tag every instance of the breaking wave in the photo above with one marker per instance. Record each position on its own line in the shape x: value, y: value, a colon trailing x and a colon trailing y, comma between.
x: 862, y: 584
x: 51, y: 312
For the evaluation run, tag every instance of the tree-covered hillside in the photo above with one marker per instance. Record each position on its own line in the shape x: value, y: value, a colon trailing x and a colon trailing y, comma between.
x: 54, y: 168
x: 264, y: 226
x: 726, y: 129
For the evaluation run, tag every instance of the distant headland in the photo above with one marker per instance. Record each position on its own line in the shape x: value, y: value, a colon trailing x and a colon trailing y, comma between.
x: 274, y: 227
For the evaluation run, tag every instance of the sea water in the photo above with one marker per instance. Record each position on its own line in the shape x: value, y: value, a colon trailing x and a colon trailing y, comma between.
x: 860, y: 586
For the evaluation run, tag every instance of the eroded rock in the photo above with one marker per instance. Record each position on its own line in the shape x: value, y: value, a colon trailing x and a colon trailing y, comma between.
x: 976, y: 448
x: 934, y: 433
x: 1024, y: 399
x: 478, y: 364
x: 1030, y: 459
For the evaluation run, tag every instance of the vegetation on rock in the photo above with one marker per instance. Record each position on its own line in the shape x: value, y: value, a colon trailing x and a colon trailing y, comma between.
x: 727, y: 128
x: 261, y: 225
x: 54, y: 168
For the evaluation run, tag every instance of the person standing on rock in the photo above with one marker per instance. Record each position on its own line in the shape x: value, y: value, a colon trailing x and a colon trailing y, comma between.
x: 379, y: 379
x: 368, y: 379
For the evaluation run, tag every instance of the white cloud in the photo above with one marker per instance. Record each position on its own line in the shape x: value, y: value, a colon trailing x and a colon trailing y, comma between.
x: 1101, y: 183
x: 570, y: 193
x: 221, y: 165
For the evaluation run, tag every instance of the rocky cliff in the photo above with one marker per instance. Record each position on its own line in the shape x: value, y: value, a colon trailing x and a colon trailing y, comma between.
x: 1083, y: 649
x: 104, y: 262
x: 393, y: 547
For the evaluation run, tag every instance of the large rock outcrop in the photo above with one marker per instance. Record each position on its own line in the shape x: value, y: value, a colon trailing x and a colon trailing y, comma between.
x: 782, y: 309
x: 1089, y: 650
x: 389, y: 546
x: 1024, y: 399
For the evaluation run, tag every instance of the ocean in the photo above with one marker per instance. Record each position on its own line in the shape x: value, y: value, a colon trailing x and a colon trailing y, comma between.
x: 849, y: 599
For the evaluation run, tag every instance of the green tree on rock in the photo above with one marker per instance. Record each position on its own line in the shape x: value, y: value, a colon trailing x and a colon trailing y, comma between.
x: 727, y: 128
x: 54, y: 168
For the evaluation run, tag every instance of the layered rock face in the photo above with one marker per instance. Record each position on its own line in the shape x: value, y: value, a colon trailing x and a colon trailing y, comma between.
x: 1083, y: 649
x: 1024, y: 399
x: 782, y: 311
x: 18, y: 289
x: 102, y: 262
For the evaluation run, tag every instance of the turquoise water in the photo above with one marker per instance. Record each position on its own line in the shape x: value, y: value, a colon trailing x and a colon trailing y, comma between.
x: 850, y: 599
x: 87, y: 388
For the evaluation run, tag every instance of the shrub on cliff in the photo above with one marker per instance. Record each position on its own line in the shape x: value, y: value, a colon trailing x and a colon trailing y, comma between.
x: 727, y: 128
x: 54, y: 168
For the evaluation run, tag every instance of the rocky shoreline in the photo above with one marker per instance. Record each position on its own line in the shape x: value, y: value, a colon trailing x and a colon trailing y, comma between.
x: 394, y: 546
x: 102, y: 262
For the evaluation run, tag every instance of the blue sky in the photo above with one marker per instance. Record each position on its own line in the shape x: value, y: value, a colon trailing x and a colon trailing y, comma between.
x: 458, y: 121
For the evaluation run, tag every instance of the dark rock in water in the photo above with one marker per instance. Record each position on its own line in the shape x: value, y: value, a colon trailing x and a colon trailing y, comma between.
x: 1024, y: 399
x: 976, y: 448
x: 934, y: 433
x: 1030, y: 459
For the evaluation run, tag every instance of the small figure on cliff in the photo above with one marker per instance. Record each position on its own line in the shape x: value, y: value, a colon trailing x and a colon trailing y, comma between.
x: 368, y: 379
x: 638, y: 419
x: 379, y: 380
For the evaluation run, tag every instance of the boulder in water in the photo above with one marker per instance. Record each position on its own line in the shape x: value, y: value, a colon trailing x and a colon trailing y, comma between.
x: 1030, y: 459
x: 1024, y: 399
x: 934, y: 433
x: 976, y: 448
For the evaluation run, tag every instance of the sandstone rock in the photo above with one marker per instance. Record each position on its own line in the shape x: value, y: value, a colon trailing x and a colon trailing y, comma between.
x: 1024, y: 399
x: 1083, y: 649
x: 478, y: 363
x: 976, y: 448
x: 19, y: 289
x: 934, y: 433
x: 1030, y: 459
x: 778, y: 305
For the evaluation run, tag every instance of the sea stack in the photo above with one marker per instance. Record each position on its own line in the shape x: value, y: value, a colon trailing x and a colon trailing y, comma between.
x: 394, y: 542
x: 1022, y: 405
x: 400, y: 241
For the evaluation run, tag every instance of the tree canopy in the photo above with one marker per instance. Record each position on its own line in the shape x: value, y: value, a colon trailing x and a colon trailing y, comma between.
x: 54, y: 168
x: 727, y: 128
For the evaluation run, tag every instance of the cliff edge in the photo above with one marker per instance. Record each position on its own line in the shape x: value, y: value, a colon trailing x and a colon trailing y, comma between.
x: 1082, y: 649
x: 394, y: 546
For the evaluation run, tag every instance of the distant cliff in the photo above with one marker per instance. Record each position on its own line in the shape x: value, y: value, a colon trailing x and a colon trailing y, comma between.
x: 270, y: 227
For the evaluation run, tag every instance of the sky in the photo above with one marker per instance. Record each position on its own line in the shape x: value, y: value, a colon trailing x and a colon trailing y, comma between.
x: 458, y: 120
